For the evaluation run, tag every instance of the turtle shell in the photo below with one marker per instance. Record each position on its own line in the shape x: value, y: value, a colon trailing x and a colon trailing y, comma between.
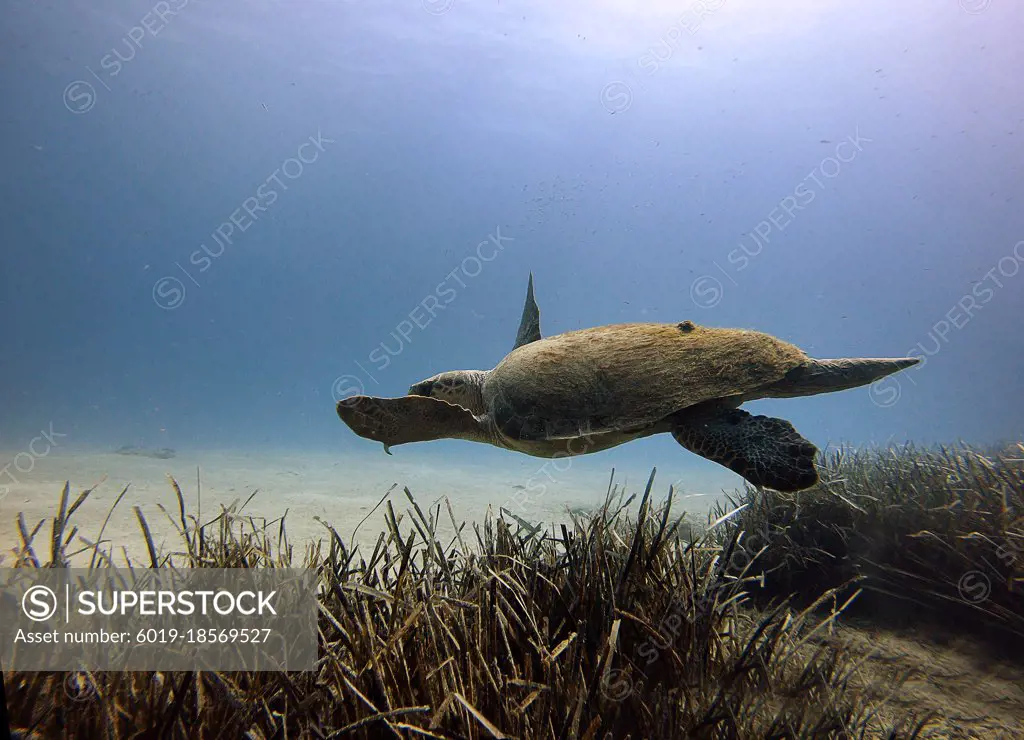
x: 625, y: 376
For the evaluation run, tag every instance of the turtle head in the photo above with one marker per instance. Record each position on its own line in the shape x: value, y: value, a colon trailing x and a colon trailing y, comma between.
x: 462, y: 387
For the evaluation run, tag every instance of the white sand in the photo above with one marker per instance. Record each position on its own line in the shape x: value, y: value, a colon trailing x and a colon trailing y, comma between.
x: 340, y: 490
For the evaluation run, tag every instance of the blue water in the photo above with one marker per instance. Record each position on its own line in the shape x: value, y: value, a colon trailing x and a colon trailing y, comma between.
x: 844, y: 175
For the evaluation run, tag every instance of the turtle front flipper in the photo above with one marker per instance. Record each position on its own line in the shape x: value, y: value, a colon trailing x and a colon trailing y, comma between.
x: 396, y: 421
x: 766, y: 451
x: 529, y: 324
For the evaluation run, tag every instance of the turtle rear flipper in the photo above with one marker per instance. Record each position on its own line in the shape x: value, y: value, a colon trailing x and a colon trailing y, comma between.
x: 766, y: 451
x: 396, y: 421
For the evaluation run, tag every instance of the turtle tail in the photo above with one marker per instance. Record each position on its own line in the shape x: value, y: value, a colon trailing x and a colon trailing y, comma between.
x: 826, y: 376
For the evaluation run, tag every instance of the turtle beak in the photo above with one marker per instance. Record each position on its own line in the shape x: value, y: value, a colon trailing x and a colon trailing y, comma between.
x: 421, y: 389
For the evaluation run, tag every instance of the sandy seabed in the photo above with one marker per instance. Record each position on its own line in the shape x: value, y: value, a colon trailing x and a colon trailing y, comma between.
x: 341, y: 490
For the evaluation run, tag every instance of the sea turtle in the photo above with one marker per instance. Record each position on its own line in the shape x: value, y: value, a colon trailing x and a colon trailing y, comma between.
x: 588, y: 390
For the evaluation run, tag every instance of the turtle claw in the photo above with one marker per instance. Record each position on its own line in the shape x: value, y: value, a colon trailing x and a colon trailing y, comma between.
x: 386, y: 449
